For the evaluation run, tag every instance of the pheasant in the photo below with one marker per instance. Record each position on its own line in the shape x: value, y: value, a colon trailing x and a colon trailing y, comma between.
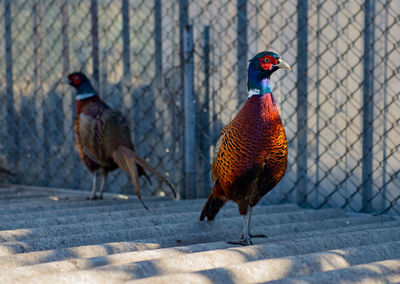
x: 6, y: 172
x: 103, y: 138
x: 251, y: 153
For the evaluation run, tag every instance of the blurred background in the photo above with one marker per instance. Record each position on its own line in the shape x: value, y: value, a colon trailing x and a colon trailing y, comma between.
x: 178, y: 71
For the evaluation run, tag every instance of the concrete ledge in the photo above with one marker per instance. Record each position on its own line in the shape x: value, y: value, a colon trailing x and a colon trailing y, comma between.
x: 247, y: 272
x: 214, y: 255
x: 44, y: 208
x: 195, y: 241
x: 56, y: 236
x: 280, y: 268
x: 126, y: 220
x: 381, y: 272
x: 159, y: 231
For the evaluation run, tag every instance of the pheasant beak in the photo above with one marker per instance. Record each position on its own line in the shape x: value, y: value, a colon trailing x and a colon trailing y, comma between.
x: 65, y: 81
x: 282, y: 64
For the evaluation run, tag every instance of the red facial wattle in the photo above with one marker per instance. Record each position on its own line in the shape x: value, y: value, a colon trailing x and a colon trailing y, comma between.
x: 266, y: 66
x: 267, y: 62
x: 76, y: 80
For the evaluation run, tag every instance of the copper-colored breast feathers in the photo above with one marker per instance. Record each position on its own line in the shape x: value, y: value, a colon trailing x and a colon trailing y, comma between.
x: 252, y: 154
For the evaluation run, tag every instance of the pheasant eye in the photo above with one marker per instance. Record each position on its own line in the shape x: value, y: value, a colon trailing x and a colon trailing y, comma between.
x: 76, y: 80
x: 266, y: 59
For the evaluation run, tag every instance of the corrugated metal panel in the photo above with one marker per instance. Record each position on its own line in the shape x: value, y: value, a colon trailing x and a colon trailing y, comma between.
x: 56, y: 236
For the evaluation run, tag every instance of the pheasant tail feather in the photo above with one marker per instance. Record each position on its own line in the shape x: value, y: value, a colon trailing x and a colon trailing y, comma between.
x: 146, y: 166
x: 212, y: 206
x: 124, y: 159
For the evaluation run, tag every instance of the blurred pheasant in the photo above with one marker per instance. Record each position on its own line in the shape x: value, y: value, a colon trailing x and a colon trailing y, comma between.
x: 103, y: 138
x: 251, y: 153
x: 6, y: 172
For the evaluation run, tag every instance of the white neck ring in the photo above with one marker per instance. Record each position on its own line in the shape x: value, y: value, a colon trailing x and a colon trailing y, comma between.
x: 254, y: 92
x: 84, y: 96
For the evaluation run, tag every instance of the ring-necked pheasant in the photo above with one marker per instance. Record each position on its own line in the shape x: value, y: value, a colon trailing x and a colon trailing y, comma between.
x: 6, y: 172
x: 103, y: 138
x: 251, y: 153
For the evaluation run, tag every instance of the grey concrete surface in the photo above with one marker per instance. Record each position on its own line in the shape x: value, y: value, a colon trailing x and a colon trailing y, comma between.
x: 201, y: 240
x: 155, y: 216
x: 68, y: 207
x: 45, y: 242
x: 380, y: 272
x: 50, y: 236
x: 216, y: 255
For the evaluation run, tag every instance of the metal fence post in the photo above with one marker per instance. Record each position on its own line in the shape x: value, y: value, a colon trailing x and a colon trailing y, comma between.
x: 125, y: 41
x: 368, y: 108
x: 68, y: 105
x: 203, y: 133
x: 95, y: 43
x: 11, y: 136
x: 183, y: 22
x: 190, y: 114
x: 65, y: 37
x: 242, y: 49
x: 41, y: 122
x: 385, y: 108
x: 302, y: 7
x: 158, y: 41
x: 126, y: 59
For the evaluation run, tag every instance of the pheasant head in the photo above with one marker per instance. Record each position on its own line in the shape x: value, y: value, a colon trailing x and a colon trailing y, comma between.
x: 81, y: 83
x: 261, y: 67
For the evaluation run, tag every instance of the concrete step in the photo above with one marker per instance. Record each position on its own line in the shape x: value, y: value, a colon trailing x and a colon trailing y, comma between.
x: 275, y: 232
x: 135, y: 207
x: 380, y: 272
x: 4, y: 190
x: 241, y: 264
x: 79, y: 216
x: 7, y: 248
x: 17, y: 192
x: 206, y: 257
x: 55, y: 235
x: 17, y: 198
x: 47, y: 208
x: 126, y: 221
x: 112, y: 216
x: 261, y: 270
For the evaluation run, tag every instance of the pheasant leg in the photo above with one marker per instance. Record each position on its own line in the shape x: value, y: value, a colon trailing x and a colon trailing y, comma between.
x: 93, y: 195
x: 103, y: 182
x: 246, y: 238
x: 246, y: 235
x: 248, y: 227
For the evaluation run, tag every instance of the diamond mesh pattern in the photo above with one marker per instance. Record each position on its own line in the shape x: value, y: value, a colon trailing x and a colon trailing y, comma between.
x: 140, y: 72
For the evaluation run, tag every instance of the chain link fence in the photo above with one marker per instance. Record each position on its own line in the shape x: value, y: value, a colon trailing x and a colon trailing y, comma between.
x: 339, y: 104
